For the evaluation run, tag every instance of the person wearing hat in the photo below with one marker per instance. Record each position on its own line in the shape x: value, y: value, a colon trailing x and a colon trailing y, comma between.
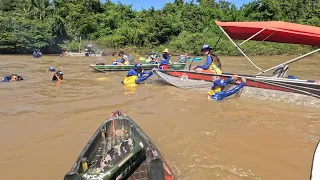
x: 166, y: 56
x: 12, y: 78
x: 58, y: 76
x: 123, y: 61
x: 217, y: 90
x: 136, y: 75
x: 212, y: 64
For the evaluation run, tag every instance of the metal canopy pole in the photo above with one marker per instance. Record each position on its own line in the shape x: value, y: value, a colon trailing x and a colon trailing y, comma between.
x: 239, y: 48
x: 252, y: 36
x: 290, y: 61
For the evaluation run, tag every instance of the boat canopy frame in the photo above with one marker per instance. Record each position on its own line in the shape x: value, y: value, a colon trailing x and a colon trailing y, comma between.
x: 256, y: 34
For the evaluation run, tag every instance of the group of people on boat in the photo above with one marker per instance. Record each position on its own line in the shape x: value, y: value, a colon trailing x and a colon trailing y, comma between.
x: 212, y: 65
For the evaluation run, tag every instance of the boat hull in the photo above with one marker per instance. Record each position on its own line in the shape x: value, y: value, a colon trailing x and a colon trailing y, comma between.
x: 109, y: 68
x: 304, y: 87
x: 119, y: 149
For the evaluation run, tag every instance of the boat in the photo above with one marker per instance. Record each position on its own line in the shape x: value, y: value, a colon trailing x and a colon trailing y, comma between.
x: 274, y: 31
x: 119, y: 149
x: 195, y: 59
x: 315, y: 168
x: 101, y: 67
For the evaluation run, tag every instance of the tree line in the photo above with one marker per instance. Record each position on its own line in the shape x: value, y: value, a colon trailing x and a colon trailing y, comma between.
x: 56, y: 25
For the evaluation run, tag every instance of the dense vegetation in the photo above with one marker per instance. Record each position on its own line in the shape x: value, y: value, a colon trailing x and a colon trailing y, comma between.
x: 54, y: 25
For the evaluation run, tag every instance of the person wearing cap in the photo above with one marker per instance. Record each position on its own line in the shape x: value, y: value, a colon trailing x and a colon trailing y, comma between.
x: 12, y: 78
x: 217, y: 90
x: 166, y: 56
x: 212, y: 64
x: 123, y: 61
x: 136, y: 75
x: 58, y: 76
x: 52, y: 69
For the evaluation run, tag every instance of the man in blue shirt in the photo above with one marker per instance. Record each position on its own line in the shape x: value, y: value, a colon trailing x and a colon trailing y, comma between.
x: 136, y: 75
x: 217, y: 90
x: 12, y: 78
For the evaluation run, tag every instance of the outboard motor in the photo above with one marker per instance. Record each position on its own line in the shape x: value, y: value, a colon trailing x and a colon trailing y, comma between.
x: 280, y: 72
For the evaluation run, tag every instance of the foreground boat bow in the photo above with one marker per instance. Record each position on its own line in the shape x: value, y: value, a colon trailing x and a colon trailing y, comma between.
x: 119, y: 149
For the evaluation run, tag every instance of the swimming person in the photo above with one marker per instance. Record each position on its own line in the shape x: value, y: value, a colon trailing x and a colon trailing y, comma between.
x: 212, y: 64
x: 136, y: 75
x: 12, y: 78
x: 166, y: 56
x: 58, y: 76
x: 123, y: 61
x: 52, y: 69
x: 217, y: 90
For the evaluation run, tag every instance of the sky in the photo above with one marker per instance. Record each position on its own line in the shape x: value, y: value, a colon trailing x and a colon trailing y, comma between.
x: 158, y: 4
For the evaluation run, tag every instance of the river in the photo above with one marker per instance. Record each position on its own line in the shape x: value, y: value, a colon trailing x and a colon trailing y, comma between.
x: 45, y: 125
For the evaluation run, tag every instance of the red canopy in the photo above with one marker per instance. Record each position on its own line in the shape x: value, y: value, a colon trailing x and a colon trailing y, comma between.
x: 275, y: 31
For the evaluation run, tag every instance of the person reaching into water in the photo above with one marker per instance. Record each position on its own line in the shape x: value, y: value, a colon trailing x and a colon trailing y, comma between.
x: 136, y: 75
x: 217, y: 90
x: 12, y: 78
x: 123, y: 61
x: 166, y: 55
x: 212, y: 64
x: 58, y: 76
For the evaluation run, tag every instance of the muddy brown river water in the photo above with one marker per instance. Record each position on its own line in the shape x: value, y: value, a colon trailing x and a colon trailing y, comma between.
x: 45, y: 125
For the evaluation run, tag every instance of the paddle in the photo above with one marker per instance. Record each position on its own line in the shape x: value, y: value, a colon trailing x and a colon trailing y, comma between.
x: 212, y: 49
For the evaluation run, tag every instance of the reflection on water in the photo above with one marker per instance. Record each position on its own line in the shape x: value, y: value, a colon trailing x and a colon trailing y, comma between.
x: 130, y: 89
x: 44, y: 125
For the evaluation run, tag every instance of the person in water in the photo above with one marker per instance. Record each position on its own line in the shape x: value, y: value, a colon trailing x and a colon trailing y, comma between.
x: 136, y: 75
x: 12, y: 78
x: 36, y: 54
x: 212, y: 64
x: 52, y: 69
x: 166, y: 55
x: 217, y: 90
x: 123, y: 61
x: 58, y: 76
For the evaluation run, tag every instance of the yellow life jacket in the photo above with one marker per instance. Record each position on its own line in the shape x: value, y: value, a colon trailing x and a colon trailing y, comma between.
x: 213, y: 91
x: 215, y: 65
x: 130, y: 80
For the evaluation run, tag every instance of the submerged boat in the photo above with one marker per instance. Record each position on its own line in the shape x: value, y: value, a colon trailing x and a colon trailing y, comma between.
x: 262, y: 31
x: 119, y: 149
x: 101, y: 67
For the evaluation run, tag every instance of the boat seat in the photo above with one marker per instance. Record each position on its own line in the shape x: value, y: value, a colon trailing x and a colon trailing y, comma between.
x: 280, y: 72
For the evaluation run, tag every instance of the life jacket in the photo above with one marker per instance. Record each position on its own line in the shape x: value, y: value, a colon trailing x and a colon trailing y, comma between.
x: 213, y: 91
x: 215, y: 65
x: 130, y: 80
